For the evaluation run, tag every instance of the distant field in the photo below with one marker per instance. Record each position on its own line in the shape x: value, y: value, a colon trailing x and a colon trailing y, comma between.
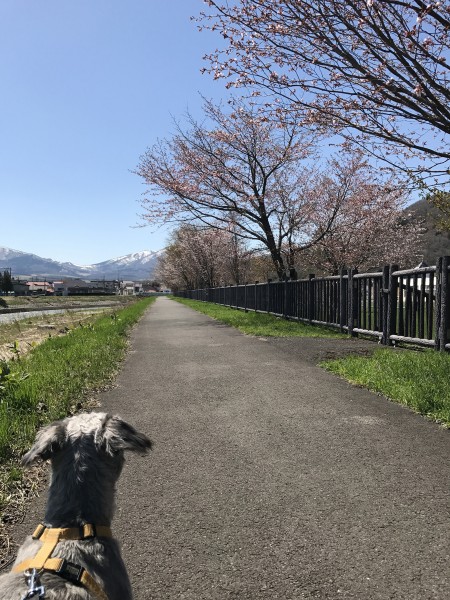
x: 31, y: 301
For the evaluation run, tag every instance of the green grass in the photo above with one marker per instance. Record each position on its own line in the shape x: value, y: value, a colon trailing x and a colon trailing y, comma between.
x: 420, y: 380
x: 260, y: 324
x: 51, y: 381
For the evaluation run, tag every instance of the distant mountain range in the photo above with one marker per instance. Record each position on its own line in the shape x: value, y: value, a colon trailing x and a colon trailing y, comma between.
x: 137, y: 266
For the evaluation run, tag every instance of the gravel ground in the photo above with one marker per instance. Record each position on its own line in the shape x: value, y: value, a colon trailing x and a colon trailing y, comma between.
x: 270, y: 477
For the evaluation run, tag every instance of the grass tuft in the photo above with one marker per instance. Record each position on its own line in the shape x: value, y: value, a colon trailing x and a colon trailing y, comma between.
x: 420, y: 380
x: 260, y: 324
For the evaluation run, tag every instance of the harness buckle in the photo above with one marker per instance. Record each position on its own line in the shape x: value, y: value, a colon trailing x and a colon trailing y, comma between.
x: 34, y: 585
x: 70, y: 571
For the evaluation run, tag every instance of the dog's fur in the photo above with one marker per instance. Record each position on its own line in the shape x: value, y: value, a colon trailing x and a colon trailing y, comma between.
x: 87, y: 456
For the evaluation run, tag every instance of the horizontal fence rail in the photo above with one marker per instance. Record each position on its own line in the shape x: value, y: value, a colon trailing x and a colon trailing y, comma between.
x: 411, y: 306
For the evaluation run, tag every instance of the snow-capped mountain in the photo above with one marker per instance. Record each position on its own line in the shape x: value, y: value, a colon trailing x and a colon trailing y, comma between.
x: 137, y: 266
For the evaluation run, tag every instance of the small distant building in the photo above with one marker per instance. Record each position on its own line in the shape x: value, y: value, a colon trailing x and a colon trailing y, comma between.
x: 60, y: 288
x: 33, y: 288
x: 77, y: 287
x: 20, y: 288
x: 127, y: 288
x: 73, y: 287
x: 106, y: 286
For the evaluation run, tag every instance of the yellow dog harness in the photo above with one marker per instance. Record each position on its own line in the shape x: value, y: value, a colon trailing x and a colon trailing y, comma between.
x: 43, y: 561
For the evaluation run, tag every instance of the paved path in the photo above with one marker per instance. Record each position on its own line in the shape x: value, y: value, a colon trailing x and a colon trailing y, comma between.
x: 271, y: 478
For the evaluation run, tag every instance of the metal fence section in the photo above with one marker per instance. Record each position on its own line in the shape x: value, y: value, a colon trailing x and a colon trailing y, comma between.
x: 411, y: 306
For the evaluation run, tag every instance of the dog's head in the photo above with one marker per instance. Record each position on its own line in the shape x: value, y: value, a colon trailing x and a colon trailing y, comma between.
x: 107, y: 435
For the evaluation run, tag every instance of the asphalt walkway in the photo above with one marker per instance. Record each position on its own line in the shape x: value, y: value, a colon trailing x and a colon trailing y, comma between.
x: 271, y: 478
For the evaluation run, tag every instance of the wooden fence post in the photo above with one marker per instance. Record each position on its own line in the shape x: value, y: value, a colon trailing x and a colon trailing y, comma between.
x: 384, y: 304
x: 285, y: 299
x: 444, y: 325
x: 351, y: 303
x: 437, y: 304
x: 342, y: 298
x: 391, y: 317
x: 311, y: 278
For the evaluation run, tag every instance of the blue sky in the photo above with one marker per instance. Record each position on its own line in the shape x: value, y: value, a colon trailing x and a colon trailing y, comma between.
x: 87, y: 85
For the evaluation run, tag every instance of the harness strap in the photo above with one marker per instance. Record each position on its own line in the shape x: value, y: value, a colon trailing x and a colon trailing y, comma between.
x: 71, y: 533
x: 50, y: 537
x: 76, y: 574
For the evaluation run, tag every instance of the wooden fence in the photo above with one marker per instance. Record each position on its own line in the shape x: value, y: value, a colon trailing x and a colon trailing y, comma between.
x: 411, y: 306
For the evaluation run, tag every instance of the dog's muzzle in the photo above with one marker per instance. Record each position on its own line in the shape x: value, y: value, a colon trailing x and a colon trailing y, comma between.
x: 43, y: 561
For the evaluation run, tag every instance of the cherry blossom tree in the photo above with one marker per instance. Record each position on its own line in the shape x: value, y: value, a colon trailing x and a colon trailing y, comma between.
x: 200, y: 257
x: 237, y: 260
x: 374, y: 71
x: 239, y: 168
x: 372, y: 227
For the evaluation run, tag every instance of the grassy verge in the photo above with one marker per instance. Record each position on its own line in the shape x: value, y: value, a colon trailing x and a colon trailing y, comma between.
x: 260, y: 324
x: 419, y: 380
x: 51, y: 380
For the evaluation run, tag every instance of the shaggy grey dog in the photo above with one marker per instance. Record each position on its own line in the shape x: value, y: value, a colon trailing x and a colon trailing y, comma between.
x: 87, y: 456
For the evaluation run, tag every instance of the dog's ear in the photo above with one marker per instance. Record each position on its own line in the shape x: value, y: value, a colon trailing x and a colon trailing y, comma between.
x: 49, y: 440
x: 119, y: 435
